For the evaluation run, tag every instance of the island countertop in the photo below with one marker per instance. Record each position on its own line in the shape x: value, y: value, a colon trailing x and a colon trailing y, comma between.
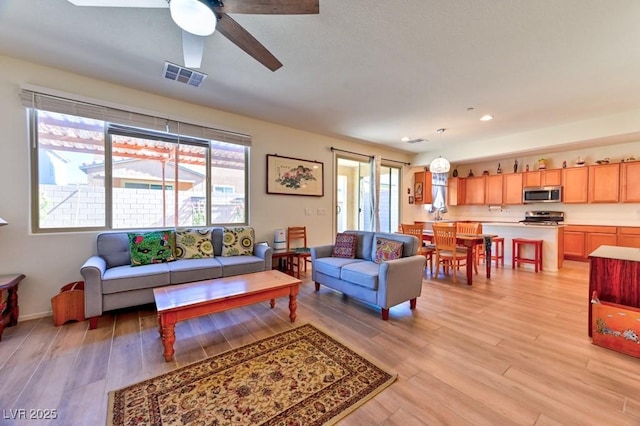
x: 615, y: 252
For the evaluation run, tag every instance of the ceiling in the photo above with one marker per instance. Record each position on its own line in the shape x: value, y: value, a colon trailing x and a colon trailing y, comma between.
x: 367, y: 71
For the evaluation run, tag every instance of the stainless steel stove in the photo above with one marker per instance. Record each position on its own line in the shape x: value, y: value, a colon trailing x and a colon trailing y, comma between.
x: 543, y: 217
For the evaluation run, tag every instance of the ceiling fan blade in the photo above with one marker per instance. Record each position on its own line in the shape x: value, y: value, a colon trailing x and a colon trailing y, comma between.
x: 192, y: 49
x: 271, y: 7
x: 121, y: 3
x: 245, y: 41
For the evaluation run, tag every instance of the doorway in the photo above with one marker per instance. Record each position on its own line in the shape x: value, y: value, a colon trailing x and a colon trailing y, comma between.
x: 354, y: 202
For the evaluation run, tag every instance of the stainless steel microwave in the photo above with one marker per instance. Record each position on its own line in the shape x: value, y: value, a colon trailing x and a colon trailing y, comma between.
x: 542, y: 194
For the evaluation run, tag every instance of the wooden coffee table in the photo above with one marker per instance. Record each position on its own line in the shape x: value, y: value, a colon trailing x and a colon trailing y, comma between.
x: 185, y: 301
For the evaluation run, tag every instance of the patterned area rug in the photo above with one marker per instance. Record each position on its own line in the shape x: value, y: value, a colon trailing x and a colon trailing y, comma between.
x: 298, y: 377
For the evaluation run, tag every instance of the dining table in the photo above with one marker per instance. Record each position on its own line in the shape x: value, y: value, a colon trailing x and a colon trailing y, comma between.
x: 469, y: 241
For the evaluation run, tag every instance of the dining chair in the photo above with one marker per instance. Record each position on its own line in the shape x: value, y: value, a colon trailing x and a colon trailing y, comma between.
x: 472, y: 228
x: 301, y: 252
x: 448, y: 253
x: 417, y: 230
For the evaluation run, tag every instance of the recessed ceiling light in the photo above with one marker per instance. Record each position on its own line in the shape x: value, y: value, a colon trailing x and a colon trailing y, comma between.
x: 486, y: 117
x: 440, y: 131
x: 405, y: 139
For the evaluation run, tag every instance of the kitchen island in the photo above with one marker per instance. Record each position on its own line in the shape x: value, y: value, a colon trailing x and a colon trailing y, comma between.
x: 614, y: 273
x: 551, y: 235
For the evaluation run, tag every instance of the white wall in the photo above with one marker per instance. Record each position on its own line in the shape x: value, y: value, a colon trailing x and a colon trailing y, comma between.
x: 51, y: 260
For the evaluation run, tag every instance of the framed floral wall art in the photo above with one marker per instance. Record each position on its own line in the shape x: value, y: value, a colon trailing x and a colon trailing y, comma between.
x: 294, y: 176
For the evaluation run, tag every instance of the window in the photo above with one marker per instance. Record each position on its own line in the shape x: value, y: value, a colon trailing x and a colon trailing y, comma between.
x: 92, y: 174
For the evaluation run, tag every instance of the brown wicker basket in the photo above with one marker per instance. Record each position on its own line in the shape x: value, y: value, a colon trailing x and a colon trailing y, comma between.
x: 69, y: 304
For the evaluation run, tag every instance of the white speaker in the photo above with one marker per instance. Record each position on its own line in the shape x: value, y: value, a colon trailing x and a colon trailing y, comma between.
x: 279, y: 239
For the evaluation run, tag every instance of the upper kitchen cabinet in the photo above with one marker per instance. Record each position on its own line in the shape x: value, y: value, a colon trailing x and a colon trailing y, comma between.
x: 552, y: 177
x: 494, y: 190
x: 422, y: 188
x: 532, y: 179
x: 456, y: 191
x: 629, y: 173
x: 475, y: 190
x: 512, y: 188
x: 604, y: 183
x: 575, y: 182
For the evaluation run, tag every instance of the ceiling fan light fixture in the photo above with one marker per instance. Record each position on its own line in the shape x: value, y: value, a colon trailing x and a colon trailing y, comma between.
x: 193, y: 16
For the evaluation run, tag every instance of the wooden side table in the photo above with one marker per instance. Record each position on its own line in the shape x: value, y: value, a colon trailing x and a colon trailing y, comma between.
x: 282, y: 260
x: 9, y: 317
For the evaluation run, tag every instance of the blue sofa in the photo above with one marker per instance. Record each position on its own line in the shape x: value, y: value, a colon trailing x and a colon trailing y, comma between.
x: 110, y: 282
x: 383, y: 284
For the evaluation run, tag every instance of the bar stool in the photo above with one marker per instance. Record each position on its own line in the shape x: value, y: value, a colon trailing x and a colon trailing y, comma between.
x: 497, y: 254
x: 517, y: 258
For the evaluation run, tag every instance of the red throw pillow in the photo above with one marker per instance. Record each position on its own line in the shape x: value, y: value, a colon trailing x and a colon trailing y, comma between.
x: 345, y: 245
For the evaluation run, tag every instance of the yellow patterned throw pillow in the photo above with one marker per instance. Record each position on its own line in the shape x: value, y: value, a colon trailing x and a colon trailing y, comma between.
x: 193, y: 244
x: 238, y: 241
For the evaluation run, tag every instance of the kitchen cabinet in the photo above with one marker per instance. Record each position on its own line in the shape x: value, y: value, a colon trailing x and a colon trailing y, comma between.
x: 551, y: 177
x: 531, y: 179
x: 422, y: 187
x: 604, y: 183
x: 575, y: 183
x: 456, y: 191
x: 605, y: 237
x: 628, y: 237
x: 475, y: 190
x: 629, y: 178
x: 580, y: 240
x: 494, y: 190
x: 512, y: 188
x: 574, y: 244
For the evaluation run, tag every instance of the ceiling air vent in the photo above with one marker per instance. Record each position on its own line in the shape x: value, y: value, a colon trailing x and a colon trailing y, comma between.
x: 183, y: 75
x: 416, y: 140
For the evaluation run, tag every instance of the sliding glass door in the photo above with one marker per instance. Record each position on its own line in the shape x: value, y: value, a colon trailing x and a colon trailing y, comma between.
x: 354, y: 196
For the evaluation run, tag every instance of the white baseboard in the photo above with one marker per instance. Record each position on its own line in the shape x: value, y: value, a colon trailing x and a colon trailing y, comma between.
x: 35, y: 316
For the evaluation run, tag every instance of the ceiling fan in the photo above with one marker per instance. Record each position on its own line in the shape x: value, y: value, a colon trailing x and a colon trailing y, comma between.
x: 200, y: 18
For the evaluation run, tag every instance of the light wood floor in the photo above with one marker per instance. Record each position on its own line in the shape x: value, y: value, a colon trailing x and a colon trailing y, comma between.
x: 510, y: 350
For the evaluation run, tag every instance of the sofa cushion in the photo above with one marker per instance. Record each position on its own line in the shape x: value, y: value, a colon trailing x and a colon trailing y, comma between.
x: 364, y: 274
x: 387, y: 250
x: 113, y: 247
x: 188, y: 270
x: 331, y: 266
x: 193, y: 243
x: 238, y: 241
x: 125, y: 278
x: 151, y: 247
x: 345, y: 245
x: 236, y: 265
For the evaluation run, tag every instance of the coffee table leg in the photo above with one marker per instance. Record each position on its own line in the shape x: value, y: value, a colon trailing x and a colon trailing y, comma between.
x: 272, y: 303
x: 293, y: 303
x: 168, y: 334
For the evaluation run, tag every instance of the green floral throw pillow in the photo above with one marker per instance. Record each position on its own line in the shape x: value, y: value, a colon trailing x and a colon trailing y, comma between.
x: 151, y: 247
x: 238, y: 241
x: 193, y: 244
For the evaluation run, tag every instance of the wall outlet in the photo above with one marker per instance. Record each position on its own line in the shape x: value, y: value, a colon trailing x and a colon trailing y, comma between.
x: 322, y: 212
x: 308, y: 212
